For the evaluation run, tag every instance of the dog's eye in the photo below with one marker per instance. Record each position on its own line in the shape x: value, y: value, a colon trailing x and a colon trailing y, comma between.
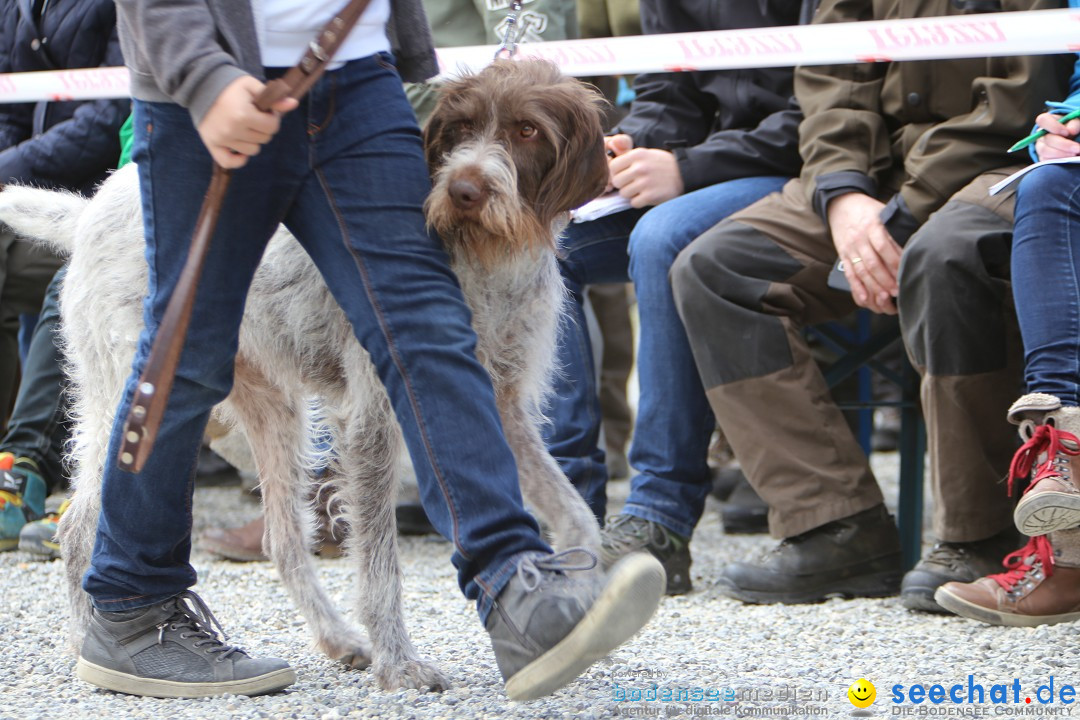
x: 527, y: 131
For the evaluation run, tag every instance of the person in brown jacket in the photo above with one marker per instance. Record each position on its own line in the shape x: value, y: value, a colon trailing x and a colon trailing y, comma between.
x: 891, y: 151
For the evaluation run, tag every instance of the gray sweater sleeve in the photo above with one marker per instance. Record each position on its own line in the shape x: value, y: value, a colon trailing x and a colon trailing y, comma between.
x: 174, y: 51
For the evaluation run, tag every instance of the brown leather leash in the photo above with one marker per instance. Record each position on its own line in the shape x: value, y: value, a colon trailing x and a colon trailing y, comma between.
x: 152, y: 392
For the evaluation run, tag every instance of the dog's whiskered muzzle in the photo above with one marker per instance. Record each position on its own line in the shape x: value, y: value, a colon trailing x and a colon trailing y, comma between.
x: 467, y: 194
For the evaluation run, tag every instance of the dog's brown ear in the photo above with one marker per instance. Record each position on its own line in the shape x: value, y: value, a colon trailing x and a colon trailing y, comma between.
x: 581, y: 169
x: 453, y: 99
x: 434, y: 134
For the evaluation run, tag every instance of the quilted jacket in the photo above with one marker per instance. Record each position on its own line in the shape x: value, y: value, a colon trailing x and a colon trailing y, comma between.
x: 59, y: 144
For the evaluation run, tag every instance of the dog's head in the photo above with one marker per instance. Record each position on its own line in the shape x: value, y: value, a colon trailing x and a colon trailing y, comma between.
x: 511, y: 150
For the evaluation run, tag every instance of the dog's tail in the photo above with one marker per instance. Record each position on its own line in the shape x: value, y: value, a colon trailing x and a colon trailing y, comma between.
x: 49, y: 217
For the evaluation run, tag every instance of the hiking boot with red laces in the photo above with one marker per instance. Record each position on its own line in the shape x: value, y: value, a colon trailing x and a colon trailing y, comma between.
x: 1048, y: 456
x: 1033, y: 590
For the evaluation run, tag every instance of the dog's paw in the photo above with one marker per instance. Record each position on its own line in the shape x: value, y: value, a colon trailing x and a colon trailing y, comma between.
x: 413, y: 674
x: 350, y: 647
x: 358, y: 659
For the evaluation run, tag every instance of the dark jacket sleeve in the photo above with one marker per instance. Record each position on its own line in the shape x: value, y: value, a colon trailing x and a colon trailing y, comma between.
x: 771, y: 148
x: 72, y: 152
x: 15, y: 118
x: 757, y: 133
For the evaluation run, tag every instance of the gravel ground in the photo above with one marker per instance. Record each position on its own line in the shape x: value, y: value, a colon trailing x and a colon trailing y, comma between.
x: 777, y: 661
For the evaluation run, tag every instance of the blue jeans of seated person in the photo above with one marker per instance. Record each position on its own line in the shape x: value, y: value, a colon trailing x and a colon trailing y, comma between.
x: 346, y: 175
x: 674, y: 422
x: 1046, y: 279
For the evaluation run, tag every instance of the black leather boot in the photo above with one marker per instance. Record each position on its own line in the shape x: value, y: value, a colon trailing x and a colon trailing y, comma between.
x: 856, y: 556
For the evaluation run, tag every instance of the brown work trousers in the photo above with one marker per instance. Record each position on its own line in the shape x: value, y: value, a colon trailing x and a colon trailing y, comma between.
x: 747, y: 288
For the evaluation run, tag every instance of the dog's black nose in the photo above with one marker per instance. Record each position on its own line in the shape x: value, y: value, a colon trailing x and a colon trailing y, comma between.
x: 466, y: 194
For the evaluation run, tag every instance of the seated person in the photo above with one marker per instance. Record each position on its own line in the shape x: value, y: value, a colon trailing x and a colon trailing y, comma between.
x: 69, y: 145
x: 694, y: 148
x: 1041, y: 584
x: 891, y: 151
x: 31, y: 451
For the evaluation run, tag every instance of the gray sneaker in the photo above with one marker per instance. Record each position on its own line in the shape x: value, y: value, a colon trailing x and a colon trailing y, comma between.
x: 625, y: 534
x: 171, y: 650
x: 548, y: 624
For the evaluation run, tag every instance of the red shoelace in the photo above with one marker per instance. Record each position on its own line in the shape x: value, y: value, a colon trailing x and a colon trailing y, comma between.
x: 1048, y: 439
x: 1038, y: 549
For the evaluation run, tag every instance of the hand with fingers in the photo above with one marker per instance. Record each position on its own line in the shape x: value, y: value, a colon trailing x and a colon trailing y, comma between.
x: 644, y: 176
x: 1060, y: 139
x: 871, y: 257
x: 233, y: 129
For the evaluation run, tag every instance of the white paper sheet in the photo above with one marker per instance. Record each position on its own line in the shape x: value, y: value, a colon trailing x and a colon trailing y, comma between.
x: 995, y: 189
x: 601, y: 206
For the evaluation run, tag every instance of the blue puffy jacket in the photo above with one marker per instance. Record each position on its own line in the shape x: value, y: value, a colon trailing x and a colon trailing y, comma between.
x: 59, y: 144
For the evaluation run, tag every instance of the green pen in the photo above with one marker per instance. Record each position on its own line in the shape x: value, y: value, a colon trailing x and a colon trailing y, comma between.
x: 1039, y: 133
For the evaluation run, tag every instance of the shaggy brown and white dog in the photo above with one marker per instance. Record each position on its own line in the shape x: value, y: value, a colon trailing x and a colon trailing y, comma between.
x: 511, y: 150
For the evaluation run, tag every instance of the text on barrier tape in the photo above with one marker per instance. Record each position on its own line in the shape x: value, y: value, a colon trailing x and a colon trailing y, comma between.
x: 1037, y: 32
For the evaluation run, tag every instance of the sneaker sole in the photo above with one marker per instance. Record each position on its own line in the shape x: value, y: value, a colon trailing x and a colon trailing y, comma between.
x: 1047, y: 512
x: 133, y: 685
x: 41, y: 550
x: 971, y: 611
x: 633, y: 592
x: 921, y: 599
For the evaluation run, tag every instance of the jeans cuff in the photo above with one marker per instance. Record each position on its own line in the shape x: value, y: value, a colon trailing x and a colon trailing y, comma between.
x: 492, y: 582
x: 645, y: 512
x: 131, y: 602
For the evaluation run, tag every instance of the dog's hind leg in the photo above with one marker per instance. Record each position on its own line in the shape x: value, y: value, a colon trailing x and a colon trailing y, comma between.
x: 279, y: 431
x: 369, y: 492
x: 95, y: 394
x: 543, y: 485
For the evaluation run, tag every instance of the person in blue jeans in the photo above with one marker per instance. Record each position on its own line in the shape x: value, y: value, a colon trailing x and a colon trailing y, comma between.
x: 694, y: 148
x: 312, y: 168
x: 1041, y: 583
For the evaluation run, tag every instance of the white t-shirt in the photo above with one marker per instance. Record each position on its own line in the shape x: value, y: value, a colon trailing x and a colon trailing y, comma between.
x: 287, y: 26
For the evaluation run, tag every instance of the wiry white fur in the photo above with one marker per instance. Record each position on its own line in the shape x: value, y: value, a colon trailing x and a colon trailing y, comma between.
x: 295, y: 345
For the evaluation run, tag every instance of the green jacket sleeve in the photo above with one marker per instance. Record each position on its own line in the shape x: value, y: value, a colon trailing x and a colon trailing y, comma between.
x: 926, y: 129
x: 843, y: 138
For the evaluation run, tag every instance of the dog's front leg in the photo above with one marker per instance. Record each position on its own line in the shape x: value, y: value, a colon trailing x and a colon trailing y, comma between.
x: 543, y: 485
x: 370, y: 492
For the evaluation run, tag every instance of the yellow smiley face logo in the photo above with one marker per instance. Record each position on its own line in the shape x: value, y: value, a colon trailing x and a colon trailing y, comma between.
x: 862, y: 693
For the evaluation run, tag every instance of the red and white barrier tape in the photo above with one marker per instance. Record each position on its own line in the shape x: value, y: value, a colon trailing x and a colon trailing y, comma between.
x: 956, y: 36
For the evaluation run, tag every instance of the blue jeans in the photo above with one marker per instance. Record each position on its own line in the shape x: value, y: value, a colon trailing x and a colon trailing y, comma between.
x: 1046, y: 279
x: 674, y: 422
x: 346, y: 175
